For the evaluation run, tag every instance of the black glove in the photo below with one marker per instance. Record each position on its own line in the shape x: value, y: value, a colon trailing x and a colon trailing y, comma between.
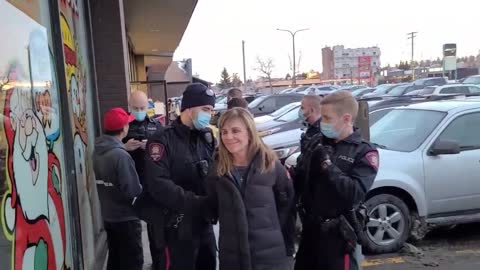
x: 320, y: 154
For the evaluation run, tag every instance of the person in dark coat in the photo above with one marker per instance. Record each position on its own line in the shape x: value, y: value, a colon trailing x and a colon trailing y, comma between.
x: 251, y: 195
x: 118, y: 187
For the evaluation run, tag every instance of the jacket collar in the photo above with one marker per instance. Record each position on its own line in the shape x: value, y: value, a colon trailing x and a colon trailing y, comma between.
x: 355, y: 137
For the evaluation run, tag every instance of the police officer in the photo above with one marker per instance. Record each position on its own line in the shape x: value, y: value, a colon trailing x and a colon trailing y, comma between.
x: 340, y: 168
x: 139, y: 131
x: 177, y: 163
x: 310, y: 113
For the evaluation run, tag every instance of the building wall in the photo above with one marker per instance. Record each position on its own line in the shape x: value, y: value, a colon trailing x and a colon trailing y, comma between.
x: 347, y: 62
x: 328, y: 64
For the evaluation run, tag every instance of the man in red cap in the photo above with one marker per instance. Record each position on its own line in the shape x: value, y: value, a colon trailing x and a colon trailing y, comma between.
x: 118, y: 186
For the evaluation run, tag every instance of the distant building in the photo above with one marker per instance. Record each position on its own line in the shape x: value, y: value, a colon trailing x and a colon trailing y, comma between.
x: 328, y: 64
x: 355, y: 64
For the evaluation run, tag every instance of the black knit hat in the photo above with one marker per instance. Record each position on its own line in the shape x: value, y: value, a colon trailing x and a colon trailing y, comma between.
x: 197, y: 94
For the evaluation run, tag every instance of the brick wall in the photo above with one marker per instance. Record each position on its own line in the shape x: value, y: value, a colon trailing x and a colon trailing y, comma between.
x: 110, y: 46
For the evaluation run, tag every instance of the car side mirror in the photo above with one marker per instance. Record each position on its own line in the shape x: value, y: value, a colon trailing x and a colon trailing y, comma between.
x: 261, y: 108
x: 444, y: 147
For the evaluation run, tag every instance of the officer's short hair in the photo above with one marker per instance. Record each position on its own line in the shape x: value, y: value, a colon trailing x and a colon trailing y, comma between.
x: 235, y: 93
x: 237, y: 102
x: 343, y: 102
x: 314, y: 101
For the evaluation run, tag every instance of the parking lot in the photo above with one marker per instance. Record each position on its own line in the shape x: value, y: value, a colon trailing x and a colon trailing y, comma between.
x: 443, y: 249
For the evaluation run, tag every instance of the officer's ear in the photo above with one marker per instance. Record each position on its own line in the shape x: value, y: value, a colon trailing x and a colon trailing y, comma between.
x: 347, y: 119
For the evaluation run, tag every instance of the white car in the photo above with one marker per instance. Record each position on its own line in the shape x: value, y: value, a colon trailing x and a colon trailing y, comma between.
x: 275, y: 114
x: 449, y: 89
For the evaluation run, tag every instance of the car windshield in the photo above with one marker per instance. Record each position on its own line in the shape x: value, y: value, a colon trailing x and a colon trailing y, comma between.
x: 404, y: 130
x: 472, y: 80
x: 301, y: 89
x: 283, y: 109
x: 256, y: 101
x: 399, y: 90
x: 382, y: 89
x: 358, y: 92
x: 290, y: 116
x: 221, y: 100
x: 428, y: 90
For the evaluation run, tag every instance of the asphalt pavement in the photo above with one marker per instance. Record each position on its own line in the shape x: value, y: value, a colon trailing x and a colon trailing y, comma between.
x: 443, y: 249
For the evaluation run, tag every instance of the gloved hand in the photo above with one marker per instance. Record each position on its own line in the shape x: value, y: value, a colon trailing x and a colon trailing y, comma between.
x: 320, y: 154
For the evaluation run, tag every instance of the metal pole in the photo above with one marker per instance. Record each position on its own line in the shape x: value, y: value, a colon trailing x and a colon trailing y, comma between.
x: 244, y: 69
x: 294, y: 80
x: 412, y: 37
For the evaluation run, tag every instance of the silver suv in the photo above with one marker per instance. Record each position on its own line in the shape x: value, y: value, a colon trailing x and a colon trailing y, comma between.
x: 429, y: 171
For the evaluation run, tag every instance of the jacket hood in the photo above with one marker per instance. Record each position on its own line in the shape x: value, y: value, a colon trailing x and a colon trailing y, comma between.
x: 106, y: 143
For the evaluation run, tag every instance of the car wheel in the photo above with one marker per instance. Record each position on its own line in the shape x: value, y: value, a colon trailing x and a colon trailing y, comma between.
x: 389, y: 225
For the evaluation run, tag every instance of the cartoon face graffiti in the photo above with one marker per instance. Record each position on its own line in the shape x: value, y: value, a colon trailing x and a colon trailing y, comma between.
x: 75, y: 96
x: 30, y: 156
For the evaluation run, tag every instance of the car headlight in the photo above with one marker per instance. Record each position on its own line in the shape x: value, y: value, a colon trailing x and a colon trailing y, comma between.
x: 285, y: 152
x: 268, y: 132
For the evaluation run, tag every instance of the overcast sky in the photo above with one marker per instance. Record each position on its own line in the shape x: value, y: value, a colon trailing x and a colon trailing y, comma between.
x: 214, y: 36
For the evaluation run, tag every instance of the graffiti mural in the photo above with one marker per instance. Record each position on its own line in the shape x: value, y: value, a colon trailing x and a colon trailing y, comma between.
x: 33, y: 206
x: 75, y: 51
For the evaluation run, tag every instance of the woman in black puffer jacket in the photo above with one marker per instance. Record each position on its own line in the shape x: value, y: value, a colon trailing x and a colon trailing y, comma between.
x: 251, y: 195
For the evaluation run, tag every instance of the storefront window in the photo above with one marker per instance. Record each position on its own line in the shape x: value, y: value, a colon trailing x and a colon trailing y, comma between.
x: 33, y: 192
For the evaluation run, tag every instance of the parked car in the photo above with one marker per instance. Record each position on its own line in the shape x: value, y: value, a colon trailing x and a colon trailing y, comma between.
x: 285, y: 91
x: 320, y: 90
x: 450, y: 89
x: 422, y: 83
x: 297, y: 89
x: 401, y: 90
x: 380, y: 90
x: 472, y: 80
x: 362, y: 91
x: 267, y: 104
x: 287, y: 121
x: 352, y: 88
x: 275, y: 114
x: 284, y: 143
x: 221, y: 105
x: 428, y: 173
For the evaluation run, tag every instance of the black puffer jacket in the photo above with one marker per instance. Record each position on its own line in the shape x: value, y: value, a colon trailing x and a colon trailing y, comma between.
x: 252, y: 220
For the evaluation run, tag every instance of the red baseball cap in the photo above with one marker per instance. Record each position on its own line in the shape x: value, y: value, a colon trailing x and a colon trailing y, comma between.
x: 116, y: 119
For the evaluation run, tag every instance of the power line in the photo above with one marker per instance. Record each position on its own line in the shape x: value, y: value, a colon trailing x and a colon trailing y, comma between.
x: 412, y: 36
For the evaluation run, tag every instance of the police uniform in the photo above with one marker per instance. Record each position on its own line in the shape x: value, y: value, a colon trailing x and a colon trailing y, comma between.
x: 339, y: 176
x: 142, y: 130
x: 177, y: 162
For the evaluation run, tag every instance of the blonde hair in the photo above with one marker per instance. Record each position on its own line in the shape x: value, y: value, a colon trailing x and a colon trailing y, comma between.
x: 343, y: 102
x: 256, y: 145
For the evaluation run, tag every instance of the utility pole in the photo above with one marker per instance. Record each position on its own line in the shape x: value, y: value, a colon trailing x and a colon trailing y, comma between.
x: 412, y: 36
x: 244, y: 69
x: 293, y: 33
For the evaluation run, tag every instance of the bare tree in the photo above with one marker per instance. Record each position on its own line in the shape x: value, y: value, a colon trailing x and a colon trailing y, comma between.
x: 265, y: 66
x: 297, y: 64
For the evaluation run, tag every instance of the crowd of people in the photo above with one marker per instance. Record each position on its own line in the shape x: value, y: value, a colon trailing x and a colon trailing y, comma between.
x: 181, y: 179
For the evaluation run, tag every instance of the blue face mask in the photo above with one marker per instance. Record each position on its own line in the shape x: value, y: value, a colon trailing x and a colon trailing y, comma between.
x: 328, y: 130
x: 202, y: 120
x: 139, y: 116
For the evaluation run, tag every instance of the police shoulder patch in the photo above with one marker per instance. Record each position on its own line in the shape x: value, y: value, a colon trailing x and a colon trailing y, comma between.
x: 156, y: 151
x: 373, y: 159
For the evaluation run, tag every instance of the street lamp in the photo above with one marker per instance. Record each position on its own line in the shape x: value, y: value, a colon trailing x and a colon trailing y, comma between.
x: 293, y: 33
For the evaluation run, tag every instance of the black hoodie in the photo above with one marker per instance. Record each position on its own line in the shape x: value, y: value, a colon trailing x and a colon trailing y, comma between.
x: 117, y: 180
